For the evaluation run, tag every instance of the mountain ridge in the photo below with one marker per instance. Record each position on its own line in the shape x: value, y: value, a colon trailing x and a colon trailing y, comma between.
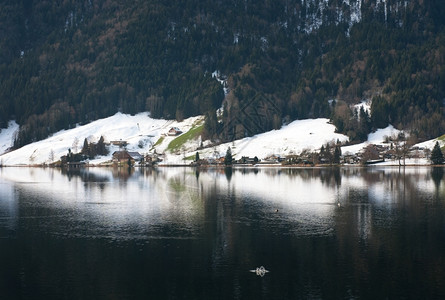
x: 69, y: 62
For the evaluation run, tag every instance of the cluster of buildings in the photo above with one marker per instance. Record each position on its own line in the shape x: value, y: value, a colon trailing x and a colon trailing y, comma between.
x: 131, y: 158
x: 369, y: 155
x: 393, y: 152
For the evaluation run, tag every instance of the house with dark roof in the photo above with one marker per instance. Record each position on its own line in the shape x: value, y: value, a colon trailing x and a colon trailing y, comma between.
x: 126, y: 157
x: 174, y: 131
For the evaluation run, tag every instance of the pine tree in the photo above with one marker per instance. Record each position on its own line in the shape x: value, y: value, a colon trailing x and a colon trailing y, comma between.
x: 437, y: 155
x: 337, y: 154
x: 69, y: 156
x: 228, y: 159
x: 197, y: 156
x: 86, y: 148
x: 101, y: 149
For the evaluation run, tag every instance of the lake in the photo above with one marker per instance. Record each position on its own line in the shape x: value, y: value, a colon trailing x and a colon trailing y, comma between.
x: 180, y: 233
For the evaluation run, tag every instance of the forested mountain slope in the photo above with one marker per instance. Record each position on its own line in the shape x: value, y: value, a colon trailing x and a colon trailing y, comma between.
x: 68, y: 62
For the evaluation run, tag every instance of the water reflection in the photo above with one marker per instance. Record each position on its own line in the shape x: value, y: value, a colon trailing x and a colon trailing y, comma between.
x: 306, y: 199
x: 437, y: 175
x: 322, y: 233
x: 8, y: 210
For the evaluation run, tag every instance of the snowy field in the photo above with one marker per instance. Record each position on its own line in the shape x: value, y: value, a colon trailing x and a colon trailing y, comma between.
x: 142, y: 133
x: 139, y: 130
x: 299, y: 135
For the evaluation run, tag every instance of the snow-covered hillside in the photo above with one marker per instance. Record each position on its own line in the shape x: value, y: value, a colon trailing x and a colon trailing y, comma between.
x: 299, y: 135
x: 140, y: 131
x: 144, y: 135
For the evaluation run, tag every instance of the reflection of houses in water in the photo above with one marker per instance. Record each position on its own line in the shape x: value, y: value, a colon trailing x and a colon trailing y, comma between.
x: 122, y: 173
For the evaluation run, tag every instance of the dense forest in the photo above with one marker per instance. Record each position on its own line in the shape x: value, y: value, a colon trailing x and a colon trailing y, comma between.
x: 65, y: 62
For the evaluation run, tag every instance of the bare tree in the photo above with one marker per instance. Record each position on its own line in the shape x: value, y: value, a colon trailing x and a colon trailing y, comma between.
x: 75, y: 144
x: 370, y: 153
x: 51, y: 156
x: 427, y: 153
x: 400, y: 147
x: 32, y: 158
x: 403, y: 145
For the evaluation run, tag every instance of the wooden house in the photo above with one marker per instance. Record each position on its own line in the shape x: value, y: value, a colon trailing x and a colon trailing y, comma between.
x: 125, y: 157
x: 174, y: 131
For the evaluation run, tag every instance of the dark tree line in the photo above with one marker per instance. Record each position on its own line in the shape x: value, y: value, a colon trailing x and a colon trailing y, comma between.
x: 91, y: 150
x: 69, y: 62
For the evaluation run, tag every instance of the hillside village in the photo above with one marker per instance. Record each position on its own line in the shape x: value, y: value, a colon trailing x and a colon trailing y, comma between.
x: 396, y: 150
x: 393, y: 153
x: 140, y: 141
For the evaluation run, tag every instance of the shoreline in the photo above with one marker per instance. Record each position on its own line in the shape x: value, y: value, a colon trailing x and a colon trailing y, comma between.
x: 236, y: 166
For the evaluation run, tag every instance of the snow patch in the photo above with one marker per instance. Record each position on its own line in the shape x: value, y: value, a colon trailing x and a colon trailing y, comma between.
x: 376, y: 138
x: 222, y: 80
x: 366, y: 104
x: 7, y: 136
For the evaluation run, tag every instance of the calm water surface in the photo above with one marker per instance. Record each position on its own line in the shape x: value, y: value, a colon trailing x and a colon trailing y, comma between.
x: 176, y: 233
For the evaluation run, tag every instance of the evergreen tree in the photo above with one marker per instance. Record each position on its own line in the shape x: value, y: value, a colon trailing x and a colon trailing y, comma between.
x: 437, y: 155
x: 379, y: 112
x: 86, y: 148
x: 228, y: 158
x: 100, y: 147
x: 337, y: 154
x: 327, y: 154
x: 69, y: 156
x: 210, y: 124
x: 364, y: 125
x: 197, y: 156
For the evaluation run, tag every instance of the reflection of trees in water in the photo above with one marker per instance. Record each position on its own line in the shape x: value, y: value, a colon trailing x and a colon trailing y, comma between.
x: 228, y: 172
x: 437, y: 175
x: 328, y: 176
x: 398, y: 184
x: 393, y: 229
x: 84, y: 174
x: 374, y: 239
